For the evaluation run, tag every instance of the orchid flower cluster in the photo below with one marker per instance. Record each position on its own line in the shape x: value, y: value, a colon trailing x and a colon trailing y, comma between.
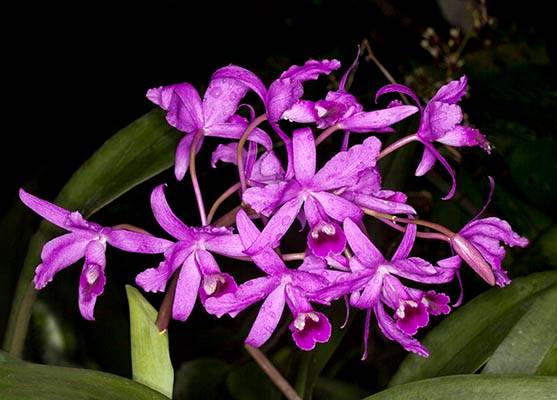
x: 330, y: 203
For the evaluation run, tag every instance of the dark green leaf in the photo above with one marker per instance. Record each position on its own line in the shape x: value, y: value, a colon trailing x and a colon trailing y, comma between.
x: 249, y: 382
x: 134, y: 154
x: 201, y: 379
x: 469, y: 336
x: 332, y: 389
x: 20, y: 380
x: 151, y: 364
x: 474, y: 387
x: 530, y: 341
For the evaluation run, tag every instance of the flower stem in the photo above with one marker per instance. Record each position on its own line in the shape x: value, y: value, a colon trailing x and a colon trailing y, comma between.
x: 165, y: 310
x: 397, y: 145
x: 326, y: 133
x: 193, y: 174
x: 394, y: 219
x: 239, y: 156
x: 293, y: 256
x: 282, y: 384
x: 423, y: 235
x: 226, y: 194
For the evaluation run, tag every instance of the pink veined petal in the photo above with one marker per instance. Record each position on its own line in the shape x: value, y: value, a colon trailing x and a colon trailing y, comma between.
x: 437, y: 303
x: 51, y: 212
x: 137, y: 242
x: 361, y: 245
x: 345, y: 168
x: 371, y: 292
x: 182, y: 158
x: 337, y: 207
x: 234, y: 130
x: 268, y: 318
x: 420, y: 270
x: 244, y: 76
x: 397, y: 88
x: 155, y: 279
x: 310, y: 328
x: 166, y: 218
x: 445, y: 164
x: 266, y: 199
x: 58, y: 254
x: 206, y: 262
x: 391, y: 331
x: 442, y: 117
x: 276, y: 227
x: 186, y: 289
x: 247, y: 294
x: 452, y: 92
x: 310, y: 70
x: 303, y: 111
x: 226, y: 245
x: 494, y: 227
x: 221, y: 99
x: 268, y: 260
x: 345, y: 284
x: 215, y: 286
x: 92, y: 279
x: 182, y: 104
x: 381, y: 205
x: 465, y: 136
x: 372, y: 120
x: 426, y: 163
x: 415, y: 316
x: 304, y: 154
x: 407, y: 242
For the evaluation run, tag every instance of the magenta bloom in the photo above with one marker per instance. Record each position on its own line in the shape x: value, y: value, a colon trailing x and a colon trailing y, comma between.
x: 281, y: 286
x: 86, y: 239
x: 199, y: 272
x: 441, y: 121
x: 373, y: 285
x: 479, y: 245
x: 314, y: 192
x: 214, y: 115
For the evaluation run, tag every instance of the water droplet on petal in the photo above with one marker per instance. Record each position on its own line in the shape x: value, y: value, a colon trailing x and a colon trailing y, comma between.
x: 216, y: 92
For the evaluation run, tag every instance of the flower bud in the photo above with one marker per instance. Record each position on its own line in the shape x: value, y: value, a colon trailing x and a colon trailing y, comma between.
x: 472, y: 256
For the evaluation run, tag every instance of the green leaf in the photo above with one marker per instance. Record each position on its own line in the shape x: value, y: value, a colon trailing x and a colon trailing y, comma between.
x: 151, y: 364
x: 134, y: 154
x: 530, y: 341
x: 201, y: 379
x: 21, y: 380
x: 249, y: 382
x: 464, y: 341
x: 327, y: 389
x: 474, y: 387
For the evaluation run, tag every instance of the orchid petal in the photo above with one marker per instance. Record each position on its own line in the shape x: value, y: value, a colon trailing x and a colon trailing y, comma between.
x: 304, y: 154
x: 137, y: 242
x: 268, y: 318
x: 51, y: 212
x: 92, y: 279
x: 361, y: 245
x: 187, y: 289
x: 372, y: 120
x: 166, y: 217
x: 182, y: 104
x: 338, y: 208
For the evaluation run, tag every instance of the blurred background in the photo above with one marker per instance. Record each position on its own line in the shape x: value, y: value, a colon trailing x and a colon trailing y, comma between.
x: 75, y: 74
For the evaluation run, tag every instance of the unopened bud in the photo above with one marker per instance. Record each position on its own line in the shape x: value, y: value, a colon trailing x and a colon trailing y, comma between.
x: 471, y: 256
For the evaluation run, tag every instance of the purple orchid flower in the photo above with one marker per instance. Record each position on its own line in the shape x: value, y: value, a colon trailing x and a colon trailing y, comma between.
x: 284, y: 93
x: 478, y: 243
x: 441, y: 121
x: 199, y: 272
x: 367, y: 192
x: 342, y: 109
x: 373, y: 285
x: 214, y: 115
x: 282, y: 286
x: 86, y: 239
x: 315, y: 193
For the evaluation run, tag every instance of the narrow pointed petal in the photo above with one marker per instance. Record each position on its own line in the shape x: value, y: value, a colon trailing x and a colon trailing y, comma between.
x: 348, y: 72
x: 166, y: 217
x: 234, y: 130
x: 304, y: 154
x: 137, y: 242
x: 58, y: 254
x: 92, y: 279
x: 338, y: 208
x: 445, y: 164
x: 372, y: 120
x: 266, y: 199
x: 182, y: 158
x: 247, y: 294
x: 155, y: 279
x: 361, y: 245
x: 268, y: 260
x: 226, y: 245
x: 182, y: 105
x: 186, y: 289
x: 276, y: 227
x: 407, y: 243
x: 268, y: 318
x: 381, y: 205
x: 244, y: 76
x: 465, y: 136
x: 426, y: 163
x: 397, y: 88
x: 51, y: 212
x: 372, y: 290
